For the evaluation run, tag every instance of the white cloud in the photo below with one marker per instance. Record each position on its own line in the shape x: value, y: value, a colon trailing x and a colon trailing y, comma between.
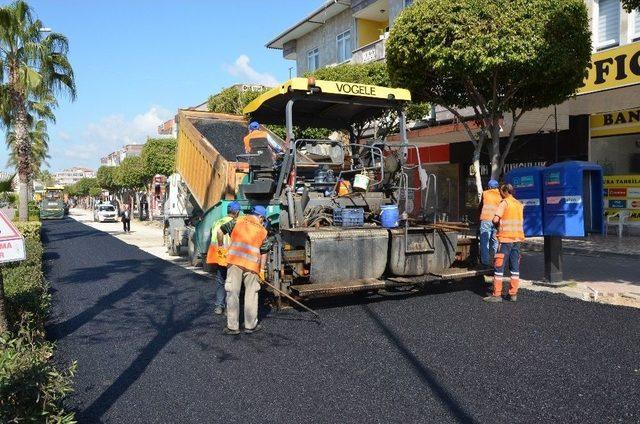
x: 64, y: 136
x: 112, y: 132
x: 242, y: 69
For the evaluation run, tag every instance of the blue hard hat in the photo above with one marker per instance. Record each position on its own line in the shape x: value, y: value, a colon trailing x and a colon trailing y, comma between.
x: 493, y: 184
x: 254, y: 125
x: 259, y: 210
x: 233, y: 207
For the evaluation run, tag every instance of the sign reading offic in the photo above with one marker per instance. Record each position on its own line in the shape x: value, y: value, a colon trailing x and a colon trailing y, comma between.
x: 11, y: 241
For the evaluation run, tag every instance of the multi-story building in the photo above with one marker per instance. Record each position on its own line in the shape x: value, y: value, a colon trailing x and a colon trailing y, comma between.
x: 600, y: 124
x: 115, y: 158
x: 71, y: 176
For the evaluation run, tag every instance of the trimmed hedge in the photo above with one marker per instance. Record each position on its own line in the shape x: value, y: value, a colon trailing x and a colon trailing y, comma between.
x: 31, y: 387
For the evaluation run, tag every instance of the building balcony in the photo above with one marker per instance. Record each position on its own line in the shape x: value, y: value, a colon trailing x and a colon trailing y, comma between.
x: 371, y: 52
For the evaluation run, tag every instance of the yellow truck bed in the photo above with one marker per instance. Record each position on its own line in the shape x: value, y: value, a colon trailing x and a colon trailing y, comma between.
x: 206, y: 159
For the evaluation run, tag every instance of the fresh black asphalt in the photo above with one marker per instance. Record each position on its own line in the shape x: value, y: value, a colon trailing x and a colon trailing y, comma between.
x: 149, y: 350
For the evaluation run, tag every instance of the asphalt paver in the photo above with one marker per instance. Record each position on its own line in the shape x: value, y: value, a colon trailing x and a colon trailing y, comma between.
x: 150, y: 350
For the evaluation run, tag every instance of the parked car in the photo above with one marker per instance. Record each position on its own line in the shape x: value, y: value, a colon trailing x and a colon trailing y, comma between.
x: 105, y: 212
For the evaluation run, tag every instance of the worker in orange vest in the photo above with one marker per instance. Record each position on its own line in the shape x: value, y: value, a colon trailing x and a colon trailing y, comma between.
x: 244, y: 265
x: 256, y: 132
x: 488, y: 206
x: 217, y: 255
x: 509, y: 219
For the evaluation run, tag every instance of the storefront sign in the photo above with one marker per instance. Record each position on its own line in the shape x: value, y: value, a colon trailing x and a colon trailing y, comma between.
x: 622, y: 192
x: 613, y: 68
x: 615, y: 123
x: 11, y: 242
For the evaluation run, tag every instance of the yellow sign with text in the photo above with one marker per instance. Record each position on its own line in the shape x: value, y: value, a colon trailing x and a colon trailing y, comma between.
x: 613, y: 68
x: 615, y: 123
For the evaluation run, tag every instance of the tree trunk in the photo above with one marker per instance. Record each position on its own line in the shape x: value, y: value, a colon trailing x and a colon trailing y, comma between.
x: 495, y: 150
x: 3, y: 314
x: 476, y: 165
x: 23, y: 147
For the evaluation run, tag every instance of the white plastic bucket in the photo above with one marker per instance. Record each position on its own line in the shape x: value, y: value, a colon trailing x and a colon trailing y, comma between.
x: 361, y: 182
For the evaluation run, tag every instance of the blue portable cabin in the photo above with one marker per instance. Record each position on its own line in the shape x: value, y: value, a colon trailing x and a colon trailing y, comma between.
x: 527, y: 183
x: 573, y: 199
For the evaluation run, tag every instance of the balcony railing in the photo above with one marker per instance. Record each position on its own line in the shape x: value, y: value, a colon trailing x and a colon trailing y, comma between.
x: 371, y: 52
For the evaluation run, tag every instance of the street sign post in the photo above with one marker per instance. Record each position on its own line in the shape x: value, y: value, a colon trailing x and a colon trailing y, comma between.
x: 11, y: 241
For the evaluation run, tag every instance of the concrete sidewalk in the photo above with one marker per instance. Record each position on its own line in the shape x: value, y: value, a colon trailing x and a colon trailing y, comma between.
x: 598, y: 245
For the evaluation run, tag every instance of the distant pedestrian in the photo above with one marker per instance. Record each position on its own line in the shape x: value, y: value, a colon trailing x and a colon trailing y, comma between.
x: 244, y: 258
x: 126, y: 219
x: 488, y: 206
x: 217, y: 255
x: 509, y: 218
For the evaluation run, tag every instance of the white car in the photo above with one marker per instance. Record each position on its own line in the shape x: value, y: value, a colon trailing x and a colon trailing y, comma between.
x: 104, y: 213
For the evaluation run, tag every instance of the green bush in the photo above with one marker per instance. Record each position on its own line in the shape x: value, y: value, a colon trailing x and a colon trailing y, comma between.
x: 31, y: 388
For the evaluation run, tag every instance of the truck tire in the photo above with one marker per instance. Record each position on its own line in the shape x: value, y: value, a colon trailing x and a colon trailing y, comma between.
x: 194, y: 256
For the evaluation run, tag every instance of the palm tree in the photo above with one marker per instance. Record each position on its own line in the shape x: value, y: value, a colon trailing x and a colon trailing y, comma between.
x: 32, y: 67
x: 39, y: 147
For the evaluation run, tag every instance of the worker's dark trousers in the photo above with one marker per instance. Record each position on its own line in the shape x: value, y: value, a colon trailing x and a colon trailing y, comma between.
x: 126, y: 225
x: 508, y: 255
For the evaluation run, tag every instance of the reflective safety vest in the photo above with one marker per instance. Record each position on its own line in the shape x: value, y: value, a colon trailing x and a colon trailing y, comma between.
x: 512, y: 221
x: 246, y: 238
x: 490, y: 200
x: 216, y: 255
x: 251, y: 136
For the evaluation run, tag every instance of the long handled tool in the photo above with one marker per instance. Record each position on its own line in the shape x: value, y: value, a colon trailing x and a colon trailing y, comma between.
x: 289, y: 297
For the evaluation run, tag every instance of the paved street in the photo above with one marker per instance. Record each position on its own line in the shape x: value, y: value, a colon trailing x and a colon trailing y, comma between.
x: 150, y: 350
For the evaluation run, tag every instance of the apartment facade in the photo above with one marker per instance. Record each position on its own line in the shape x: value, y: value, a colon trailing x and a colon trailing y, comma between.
x: 600, y: 124
x: 115, y: 158
x: 71, y: 176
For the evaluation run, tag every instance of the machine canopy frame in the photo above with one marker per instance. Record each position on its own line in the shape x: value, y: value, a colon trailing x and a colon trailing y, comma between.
x: 326, y: 104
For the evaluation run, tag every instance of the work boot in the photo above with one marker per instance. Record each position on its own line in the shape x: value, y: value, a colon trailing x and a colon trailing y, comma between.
x: 254, y: 329
x: 230, y: 332
x: 492, y: 299
x: 219, y: 310
x: 513, y: 298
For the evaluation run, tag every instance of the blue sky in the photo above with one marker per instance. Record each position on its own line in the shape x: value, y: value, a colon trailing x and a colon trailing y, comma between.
x: 138, y: 61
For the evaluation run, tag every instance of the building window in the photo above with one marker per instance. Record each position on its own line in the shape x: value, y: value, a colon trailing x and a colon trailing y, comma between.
x: 635, y: 19
x: 313, y: 59
x: 608, y: 24
x: 344, y: 46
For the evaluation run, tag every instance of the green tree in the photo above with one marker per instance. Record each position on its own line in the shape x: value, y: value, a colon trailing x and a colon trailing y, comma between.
x: 630, y: 5
x: 106, y: 177
x: 33, y: 66
x: 39, y: 147
x: 45, y: 177
x: 159, y: 157
x: 498, y: 57
x: 373, y: 73
x: 84, y: 187
x: 130, y: 173
x: 232, y: 100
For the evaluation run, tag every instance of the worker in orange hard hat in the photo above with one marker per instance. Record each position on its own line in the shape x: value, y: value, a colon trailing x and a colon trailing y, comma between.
x: 509, y: 218
x: 488, y: 206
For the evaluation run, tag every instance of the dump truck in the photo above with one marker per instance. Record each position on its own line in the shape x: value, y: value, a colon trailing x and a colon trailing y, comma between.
x: 53, y: 205
x: 325, y: 198
x: 207, y: 177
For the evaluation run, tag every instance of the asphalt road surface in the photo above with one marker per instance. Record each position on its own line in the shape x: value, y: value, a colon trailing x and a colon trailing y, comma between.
x: 149, y: 349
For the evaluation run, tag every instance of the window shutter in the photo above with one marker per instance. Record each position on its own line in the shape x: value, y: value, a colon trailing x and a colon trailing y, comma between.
x: 608, y: 23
